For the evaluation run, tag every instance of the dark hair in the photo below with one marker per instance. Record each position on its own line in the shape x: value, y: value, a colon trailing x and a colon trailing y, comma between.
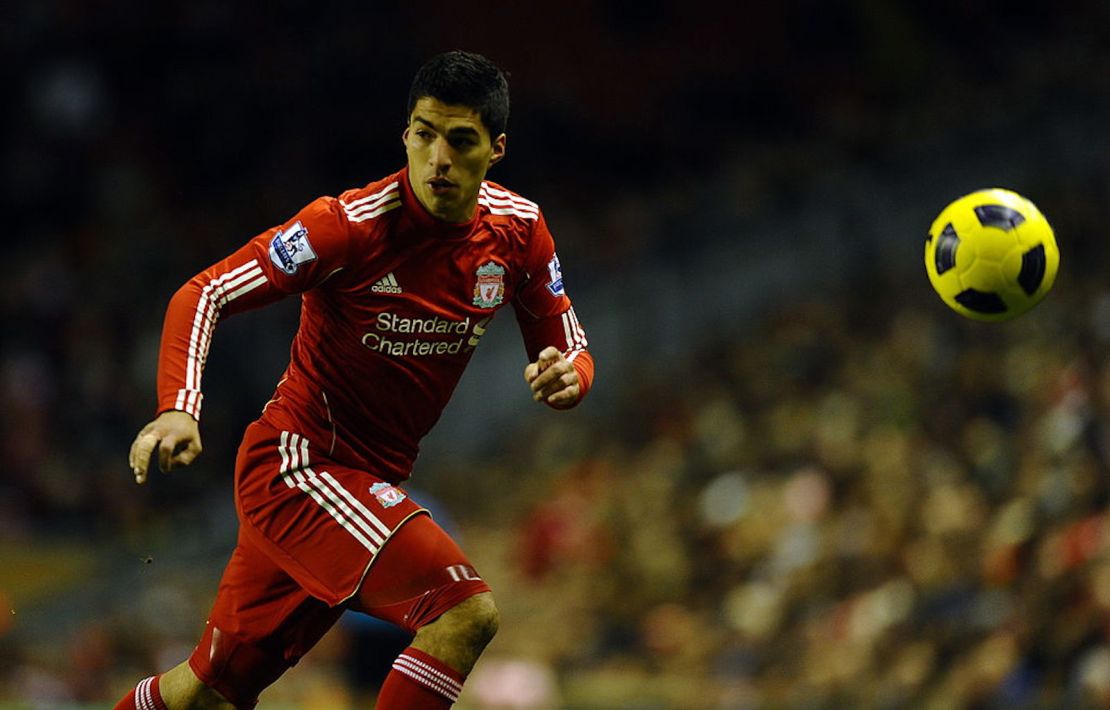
x: 465, y: 79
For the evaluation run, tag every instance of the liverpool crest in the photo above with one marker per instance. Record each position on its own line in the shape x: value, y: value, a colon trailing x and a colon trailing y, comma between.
x: 489, y: 289
x: 386, y: 494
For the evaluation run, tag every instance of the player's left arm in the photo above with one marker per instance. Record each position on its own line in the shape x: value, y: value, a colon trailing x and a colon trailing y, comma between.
x: 560, y: 370
x: 558, y: 381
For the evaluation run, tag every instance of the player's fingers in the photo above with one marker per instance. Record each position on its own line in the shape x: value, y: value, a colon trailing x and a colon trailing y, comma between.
x: 541, y: 381
x: 551, y: 382
x: 140, y: 450
x: 550, y: 374
x: 188, y: 454
x: 165, y: 452
x: 140, y: 455
x: 567, y: 395
x: 548, y: 357
x: 530, y: 371
x: 132, y: 455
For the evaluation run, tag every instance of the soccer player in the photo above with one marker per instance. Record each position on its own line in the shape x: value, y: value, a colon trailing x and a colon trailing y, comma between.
x: 398, y: 282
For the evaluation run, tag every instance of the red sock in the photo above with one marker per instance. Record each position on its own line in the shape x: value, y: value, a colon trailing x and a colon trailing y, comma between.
x: 419, y: 682
x: 145, y: 696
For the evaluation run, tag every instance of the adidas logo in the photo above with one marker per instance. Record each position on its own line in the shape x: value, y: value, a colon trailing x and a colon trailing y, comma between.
x: 386, y: 284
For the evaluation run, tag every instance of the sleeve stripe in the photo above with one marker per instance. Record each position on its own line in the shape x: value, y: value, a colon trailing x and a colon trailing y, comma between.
x: 494, y: 201
x: 507, y: 203
x: 212, y: 300
x: 192, y: 403
x: 505, y: 194
x: 576, y: 337
x: 243, y: 289
x: 213, y: 297
x: 363, y: 215
x: 580, y: 334
x: 484, y: 201
x: 371, y: 201
x: 353, y: 212
x: 194, y: 335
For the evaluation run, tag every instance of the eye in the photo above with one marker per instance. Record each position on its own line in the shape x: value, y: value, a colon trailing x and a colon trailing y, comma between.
x: 423, y: 133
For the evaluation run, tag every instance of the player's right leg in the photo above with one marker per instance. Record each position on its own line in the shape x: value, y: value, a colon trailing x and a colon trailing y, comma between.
x: 261, y: 624
x: 180, y: 688
x: 176, y: 689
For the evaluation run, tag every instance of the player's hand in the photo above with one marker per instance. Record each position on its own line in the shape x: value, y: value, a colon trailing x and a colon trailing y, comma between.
x: 174, y: 434
x: 552, y: 378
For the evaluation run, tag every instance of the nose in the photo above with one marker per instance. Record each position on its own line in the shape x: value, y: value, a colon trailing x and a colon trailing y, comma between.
x: 440, y: 155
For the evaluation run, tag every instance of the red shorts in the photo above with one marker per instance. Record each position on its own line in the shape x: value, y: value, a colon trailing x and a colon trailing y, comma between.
x: 313, y: 540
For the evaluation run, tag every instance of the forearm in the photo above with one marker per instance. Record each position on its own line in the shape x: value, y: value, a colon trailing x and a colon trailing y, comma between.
x: 564, y: 333
x: 232, y: 285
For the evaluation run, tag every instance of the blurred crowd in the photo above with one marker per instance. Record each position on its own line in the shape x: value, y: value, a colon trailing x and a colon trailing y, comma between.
x: 851, y: 506
x: 858, y: 503
x: 854, y: 499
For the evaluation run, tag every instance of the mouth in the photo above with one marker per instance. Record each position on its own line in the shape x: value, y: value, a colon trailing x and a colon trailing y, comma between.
x: 440, y: 185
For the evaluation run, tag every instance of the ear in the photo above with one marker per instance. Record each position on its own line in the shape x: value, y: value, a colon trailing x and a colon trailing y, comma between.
x: 405, y: 135
x: 498, y: 149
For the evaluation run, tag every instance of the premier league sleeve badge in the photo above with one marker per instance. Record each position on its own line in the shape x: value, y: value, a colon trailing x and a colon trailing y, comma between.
x: 290, y: 248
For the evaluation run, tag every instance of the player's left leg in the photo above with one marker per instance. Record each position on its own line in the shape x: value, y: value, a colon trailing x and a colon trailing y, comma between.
x: 423, y: 582
x: 460, y: 635
x: 430, y: 673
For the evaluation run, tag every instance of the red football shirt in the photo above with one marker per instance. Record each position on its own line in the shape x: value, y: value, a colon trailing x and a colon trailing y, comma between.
x: 394, y: 301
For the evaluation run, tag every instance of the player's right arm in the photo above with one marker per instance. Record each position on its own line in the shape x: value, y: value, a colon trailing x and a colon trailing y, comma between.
x: 290, y: 258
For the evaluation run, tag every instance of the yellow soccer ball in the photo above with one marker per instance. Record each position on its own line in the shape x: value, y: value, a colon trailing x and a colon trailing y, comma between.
x: 991, y: 255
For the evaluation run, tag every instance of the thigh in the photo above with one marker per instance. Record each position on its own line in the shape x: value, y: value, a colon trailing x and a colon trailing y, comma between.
x: 321, y: 521
x: 419, y: 574
x: 261, y: 624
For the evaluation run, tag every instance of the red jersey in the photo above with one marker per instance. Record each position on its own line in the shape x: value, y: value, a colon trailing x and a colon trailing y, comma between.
x: 394, y: 301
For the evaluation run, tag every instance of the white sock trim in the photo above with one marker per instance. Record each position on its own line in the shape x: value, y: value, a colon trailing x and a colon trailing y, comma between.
x: 144, y: 697
x: 428, y: 676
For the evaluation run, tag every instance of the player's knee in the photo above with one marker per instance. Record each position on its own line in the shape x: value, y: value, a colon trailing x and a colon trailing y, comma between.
x: 469, y: 625
x: 460, y: 635
x: 474, y: 621
x: 484, y: 619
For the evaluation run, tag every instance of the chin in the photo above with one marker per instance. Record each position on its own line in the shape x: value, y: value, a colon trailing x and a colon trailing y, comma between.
x: 445, y: 210
x: 442, y: 209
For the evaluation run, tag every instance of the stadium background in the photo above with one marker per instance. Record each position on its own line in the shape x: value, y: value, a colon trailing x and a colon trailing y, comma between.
x: 801, y: 482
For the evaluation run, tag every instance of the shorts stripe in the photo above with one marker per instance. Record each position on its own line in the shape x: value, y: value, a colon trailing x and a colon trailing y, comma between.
x: 329, y: 493
x: 284, y: 453
x: 357, y: 504
x: 344, y: 508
